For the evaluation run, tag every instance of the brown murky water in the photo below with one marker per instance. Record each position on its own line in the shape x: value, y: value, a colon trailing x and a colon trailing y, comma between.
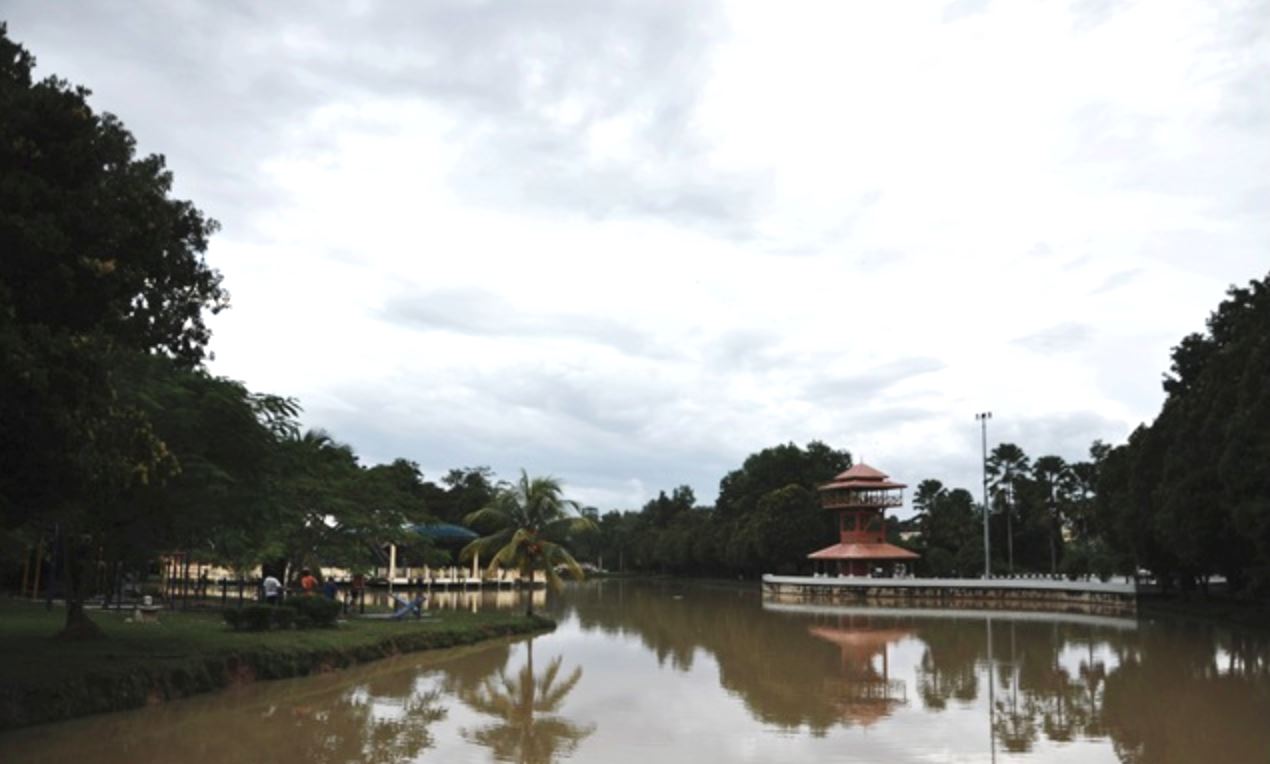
x: 641, y: 672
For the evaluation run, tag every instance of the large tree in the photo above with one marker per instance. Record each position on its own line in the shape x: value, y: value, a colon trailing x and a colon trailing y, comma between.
x: 100, y: 263
x: 334, y: 511
x: 1190, y: 493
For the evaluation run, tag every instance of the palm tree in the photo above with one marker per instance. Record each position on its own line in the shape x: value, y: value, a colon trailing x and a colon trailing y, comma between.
x: 527, y: 524
x: 1054, y: 474
x: 1007, y: 465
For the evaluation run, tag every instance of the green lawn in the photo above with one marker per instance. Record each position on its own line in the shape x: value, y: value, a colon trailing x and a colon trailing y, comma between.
x: 43, y: 679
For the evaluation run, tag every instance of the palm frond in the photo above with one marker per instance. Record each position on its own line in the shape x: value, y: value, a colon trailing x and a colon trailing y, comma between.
x: 491, y: 517
x: 554, y: 554
x: 486, y: 545
x: 559, y: 530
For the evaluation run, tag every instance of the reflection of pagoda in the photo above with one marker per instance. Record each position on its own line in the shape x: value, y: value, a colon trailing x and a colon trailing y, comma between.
x: 860, y: 496
x: 865, y: 691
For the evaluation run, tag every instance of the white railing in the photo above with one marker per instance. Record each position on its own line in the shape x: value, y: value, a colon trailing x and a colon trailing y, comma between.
x: 1032, y: 584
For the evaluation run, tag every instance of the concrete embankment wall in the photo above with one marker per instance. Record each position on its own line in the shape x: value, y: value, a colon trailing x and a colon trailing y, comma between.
x: 1008, y: 594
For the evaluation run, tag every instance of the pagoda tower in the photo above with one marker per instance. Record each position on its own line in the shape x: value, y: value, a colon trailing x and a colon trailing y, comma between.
x: 861, y: 496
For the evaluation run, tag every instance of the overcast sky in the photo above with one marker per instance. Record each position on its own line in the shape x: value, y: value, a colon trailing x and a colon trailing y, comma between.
x: 630, y: 243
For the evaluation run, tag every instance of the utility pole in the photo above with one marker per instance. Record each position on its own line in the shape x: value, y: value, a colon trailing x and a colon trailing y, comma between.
x: 983, y: 418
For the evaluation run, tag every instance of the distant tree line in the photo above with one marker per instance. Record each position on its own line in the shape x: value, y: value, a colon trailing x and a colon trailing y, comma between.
x: 1186, y: 498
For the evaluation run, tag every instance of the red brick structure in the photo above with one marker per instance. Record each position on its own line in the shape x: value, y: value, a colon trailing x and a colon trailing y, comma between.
x: 860, y: 496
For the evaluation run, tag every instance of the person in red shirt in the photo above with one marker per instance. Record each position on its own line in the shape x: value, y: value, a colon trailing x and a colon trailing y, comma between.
x: 307, y: 582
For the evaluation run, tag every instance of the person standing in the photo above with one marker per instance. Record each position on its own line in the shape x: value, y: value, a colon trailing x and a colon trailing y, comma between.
x: 273, y: 588
x: 307, y: 582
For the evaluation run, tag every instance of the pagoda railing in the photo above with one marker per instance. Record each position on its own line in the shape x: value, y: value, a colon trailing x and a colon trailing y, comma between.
x: 861, y: 499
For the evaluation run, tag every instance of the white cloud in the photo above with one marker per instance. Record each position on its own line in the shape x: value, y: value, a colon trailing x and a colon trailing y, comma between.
x: 631, y: 244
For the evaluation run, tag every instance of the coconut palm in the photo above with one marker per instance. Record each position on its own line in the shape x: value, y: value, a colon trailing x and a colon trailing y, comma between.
x: 1007, y: 467
x: 1055, y: 477
x: 527, y: 524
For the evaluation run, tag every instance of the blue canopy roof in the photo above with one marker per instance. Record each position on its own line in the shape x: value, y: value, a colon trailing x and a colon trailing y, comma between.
x: 445, y: 532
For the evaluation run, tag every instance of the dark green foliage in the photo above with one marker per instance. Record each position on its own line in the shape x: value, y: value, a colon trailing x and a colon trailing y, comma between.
x: 332, y: 510
x: 1189, y: 495
x: 768, y: 518
x: 1088, y: 558
x: 312, y: 611
x: 252, y: 617
x: 950, y: 540
x: 302, y: 612
x: 99, y: 265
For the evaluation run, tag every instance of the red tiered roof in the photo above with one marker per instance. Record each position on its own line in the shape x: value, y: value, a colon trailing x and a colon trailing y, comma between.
x: 861, y: 476
x: 866, y: 551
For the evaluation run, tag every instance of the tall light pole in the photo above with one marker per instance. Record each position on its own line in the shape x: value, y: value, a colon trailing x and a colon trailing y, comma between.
x: 983, y: 418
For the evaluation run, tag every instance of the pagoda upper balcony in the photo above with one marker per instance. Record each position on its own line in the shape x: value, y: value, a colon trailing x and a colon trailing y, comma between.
x: 857, y: 498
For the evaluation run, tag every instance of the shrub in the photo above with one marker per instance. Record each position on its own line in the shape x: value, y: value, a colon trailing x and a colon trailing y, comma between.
x: 315, y: 611
x: 251, y: 617
x: 284, y: 616
x: 299, y: 612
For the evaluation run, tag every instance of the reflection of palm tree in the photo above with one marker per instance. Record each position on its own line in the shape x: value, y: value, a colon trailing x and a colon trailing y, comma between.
x: 1015, y: 727
x: 529, y: 731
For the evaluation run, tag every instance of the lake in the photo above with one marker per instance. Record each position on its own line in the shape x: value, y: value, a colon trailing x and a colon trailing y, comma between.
x: 661, y: 672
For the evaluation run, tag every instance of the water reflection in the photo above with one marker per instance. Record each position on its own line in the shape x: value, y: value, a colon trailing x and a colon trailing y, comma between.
x: 673, y: 672
x: 456, y: 599
x: 1154, y: 692
x: 863, y: 690
x: 529, y: 729
x: 377, y: 715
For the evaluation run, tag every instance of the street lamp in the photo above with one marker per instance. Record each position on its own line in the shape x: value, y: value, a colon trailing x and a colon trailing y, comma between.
x: 982, y: 419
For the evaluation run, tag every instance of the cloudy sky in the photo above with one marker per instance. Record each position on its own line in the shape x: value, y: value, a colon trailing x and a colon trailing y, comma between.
x: 629, y: 243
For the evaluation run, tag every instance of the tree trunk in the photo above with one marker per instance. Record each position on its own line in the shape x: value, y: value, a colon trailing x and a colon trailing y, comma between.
x: 529, y: 609
x: 78, y: 625
x: 1009, y: 537
x: 1053, y: 554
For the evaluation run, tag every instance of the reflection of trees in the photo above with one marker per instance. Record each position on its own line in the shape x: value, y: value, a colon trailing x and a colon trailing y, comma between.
x: 354, y: 727
x: 766, y: 659
x: 379, y: 713
x: 529, y: 729
x: 468, y: 671
x: 1175, y: 701
x: 1058, y: 681
x: 948, y: 669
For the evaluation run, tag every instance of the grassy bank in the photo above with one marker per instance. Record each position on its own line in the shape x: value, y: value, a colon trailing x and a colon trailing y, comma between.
x: 43, y: 680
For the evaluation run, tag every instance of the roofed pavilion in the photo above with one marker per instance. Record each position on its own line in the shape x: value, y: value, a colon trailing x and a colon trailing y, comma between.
x: 861, y: 496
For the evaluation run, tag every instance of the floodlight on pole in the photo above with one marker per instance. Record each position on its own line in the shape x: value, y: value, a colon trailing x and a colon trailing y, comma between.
x: 982, y: 418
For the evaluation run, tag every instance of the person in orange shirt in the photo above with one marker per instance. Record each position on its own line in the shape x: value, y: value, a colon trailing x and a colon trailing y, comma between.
x: 307, y: 582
